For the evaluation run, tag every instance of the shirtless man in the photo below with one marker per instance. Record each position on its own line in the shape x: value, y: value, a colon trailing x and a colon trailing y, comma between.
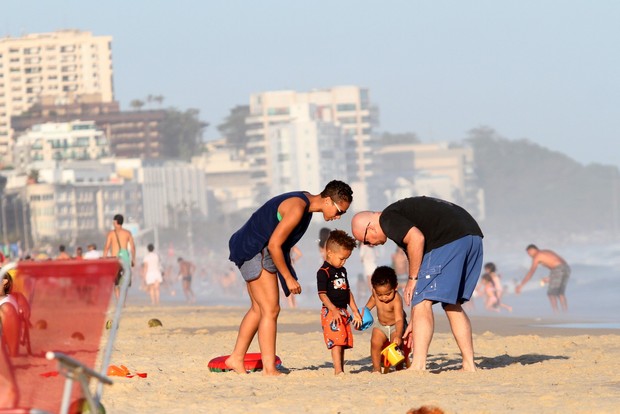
x: 117, y: 245
x: 558, y: 278
x: 62, y: 253
x: 186, y: 269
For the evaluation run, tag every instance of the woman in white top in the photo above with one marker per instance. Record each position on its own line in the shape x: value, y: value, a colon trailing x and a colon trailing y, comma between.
x: 151, y: 272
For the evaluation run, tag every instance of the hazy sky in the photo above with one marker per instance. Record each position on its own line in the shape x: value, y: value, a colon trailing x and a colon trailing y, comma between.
x: 548, y: 71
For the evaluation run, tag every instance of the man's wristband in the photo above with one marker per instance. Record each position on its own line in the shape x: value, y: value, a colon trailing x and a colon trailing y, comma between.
x: 413, y: 278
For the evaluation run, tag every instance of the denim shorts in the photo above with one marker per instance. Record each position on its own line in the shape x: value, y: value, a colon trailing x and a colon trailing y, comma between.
x: 449, y: 274
x: 251, y: 269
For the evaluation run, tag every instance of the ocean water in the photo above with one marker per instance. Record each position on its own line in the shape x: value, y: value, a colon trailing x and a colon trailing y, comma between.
x: 593, y: 291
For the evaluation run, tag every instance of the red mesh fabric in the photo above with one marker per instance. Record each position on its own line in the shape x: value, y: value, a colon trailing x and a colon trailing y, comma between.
x: 68, y: 303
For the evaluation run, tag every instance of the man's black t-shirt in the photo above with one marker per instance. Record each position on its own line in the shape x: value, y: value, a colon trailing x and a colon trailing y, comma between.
x: 334, y: 283
x: 441, y: 222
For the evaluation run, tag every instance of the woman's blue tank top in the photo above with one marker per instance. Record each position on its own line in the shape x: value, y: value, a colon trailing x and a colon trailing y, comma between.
x: 254, y: 235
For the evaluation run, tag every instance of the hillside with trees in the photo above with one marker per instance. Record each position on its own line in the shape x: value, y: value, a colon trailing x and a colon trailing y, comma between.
x: 533, y: 192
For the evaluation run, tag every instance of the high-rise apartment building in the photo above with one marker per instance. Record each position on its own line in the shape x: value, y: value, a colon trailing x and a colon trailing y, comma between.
x: 308, y: 153
x: 67, y: 65
x: 345, y: 106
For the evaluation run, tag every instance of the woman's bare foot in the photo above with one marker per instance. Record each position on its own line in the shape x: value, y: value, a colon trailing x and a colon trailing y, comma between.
x: 236, y: 364
x: 271, y: 373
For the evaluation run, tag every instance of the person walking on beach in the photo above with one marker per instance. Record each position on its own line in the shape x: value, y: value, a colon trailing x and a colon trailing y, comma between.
x: 323, y: 236
x: 368, y: 256
x: 118, y: 243
x: 296, y: 254
x: 151, y: 273
x: 558, y: 277
x: 443, y: 243
x: 92, y: 252
x: 186, y: 270
x: 261, y: 251
x: 335, y: 294
x: 401, y: 267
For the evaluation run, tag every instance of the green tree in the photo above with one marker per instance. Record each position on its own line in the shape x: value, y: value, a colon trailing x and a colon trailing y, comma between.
x: 159, y: 99
x: 136, y: 104
x: 182, y: 133
x: 234, y: 128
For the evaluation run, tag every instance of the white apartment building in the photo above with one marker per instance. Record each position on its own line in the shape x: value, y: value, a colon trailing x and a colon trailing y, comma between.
x: 173, y: 192
x: 345, y: 106
x: 66, y: 211
x: 435, y: 170
x: 62, y: 67
x: 227, y: 173
x: 66, y: 141
x: 308, y: 152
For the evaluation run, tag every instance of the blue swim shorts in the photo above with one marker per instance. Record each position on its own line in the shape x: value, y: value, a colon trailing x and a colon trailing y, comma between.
x: 251, y: 269
x: 449, y: 274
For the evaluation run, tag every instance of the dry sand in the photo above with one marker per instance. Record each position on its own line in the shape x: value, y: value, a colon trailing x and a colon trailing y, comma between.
x: 523, y: 369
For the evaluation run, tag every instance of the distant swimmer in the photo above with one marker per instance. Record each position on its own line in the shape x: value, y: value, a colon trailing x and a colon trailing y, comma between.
x: 558, y: 277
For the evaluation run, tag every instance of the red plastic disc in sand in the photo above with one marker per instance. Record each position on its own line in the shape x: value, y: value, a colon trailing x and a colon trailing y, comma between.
x: 252, y: 362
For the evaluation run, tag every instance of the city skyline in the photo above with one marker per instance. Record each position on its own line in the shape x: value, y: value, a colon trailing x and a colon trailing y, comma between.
x: 527, y: 69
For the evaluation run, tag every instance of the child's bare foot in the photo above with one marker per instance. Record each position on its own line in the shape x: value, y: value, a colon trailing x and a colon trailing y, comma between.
x: 236, y: 364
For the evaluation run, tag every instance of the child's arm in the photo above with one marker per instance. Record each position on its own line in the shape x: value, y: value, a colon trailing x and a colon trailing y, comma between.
x: 336, y: 316
x: 357, y: 318
x: 399, y: 322
x: 371, y: 302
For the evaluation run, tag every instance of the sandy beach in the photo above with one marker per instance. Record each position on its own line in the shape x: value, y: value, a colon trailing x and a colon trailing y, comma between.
x: 524, y: 367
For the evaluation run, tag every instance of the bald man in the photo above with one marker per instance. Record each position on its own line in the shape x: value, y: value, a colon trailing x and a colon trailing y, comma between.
x: 443, y: 244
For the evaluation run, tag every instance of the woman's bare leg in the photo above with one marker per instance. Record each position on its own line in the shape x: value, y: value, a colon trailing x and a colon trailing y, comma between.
x: 247, y: 330
x: 262, y: 317
x: 266, y: 293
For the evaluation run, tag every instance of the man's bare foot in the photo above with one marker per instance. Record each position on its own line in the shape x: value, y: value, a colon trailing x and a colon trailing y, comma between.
x: 236, y: 364
x: 468, y: 367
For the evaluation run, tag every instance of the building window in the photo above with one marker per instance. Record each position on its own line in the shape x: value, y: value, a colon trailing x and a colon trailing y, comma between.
x: 278, y: 111
x: 346, y: 107
x: 348, y: 120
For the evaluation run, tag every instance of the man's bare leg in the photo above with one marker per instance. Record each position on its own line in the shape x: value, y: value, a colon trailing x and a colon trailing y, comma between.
x: 553, y: 300
x: 461, y: 329
x: 563, y: 302
x: 424, y: 325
